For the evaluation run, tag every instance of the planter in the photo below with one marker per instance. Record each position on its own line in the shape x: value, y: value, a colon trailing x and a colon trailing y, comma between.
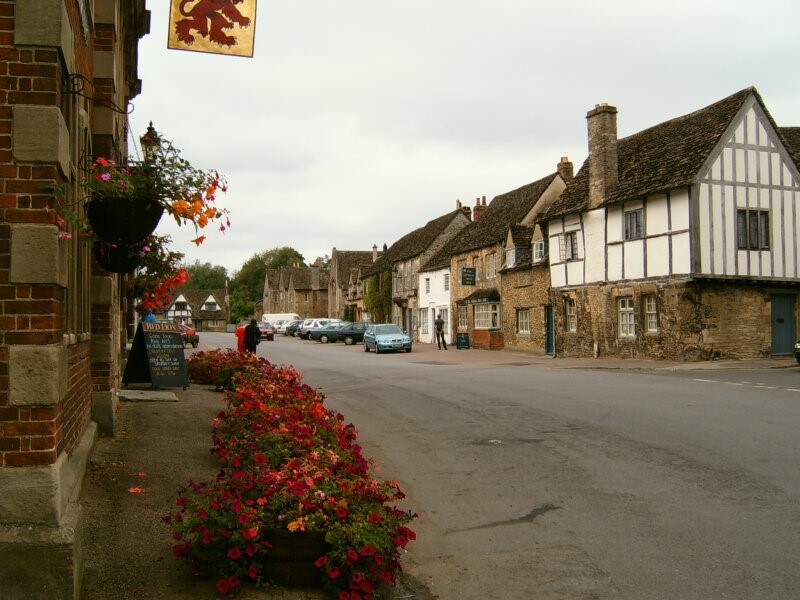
x: 117, y: 259
x: 123, y: 219
x: 290, y: 561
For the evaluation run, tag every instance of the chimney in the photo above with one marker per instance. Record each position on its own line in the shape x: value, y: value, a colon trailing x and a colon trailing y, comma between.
x: 374, y: 252
x: 315, y: 276
x: 564, y: 169
x: 602, y: 124
x: 478, y: 209
x: 465, y: 209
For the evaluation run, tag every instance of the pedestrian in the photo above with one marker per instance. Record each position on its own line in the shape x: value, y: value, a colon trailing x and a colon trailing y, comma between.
x: 149, y: 317
x: 439, y: 326
x: 252, y: 335
x: 240, y: 337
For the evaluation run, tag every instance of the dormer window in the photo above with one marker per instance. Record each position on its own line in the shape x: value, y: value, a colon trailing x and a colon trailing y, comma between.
x: 511, y: 255
x: 539, y: 251
x: 210, y: 306
x: 181, y: 306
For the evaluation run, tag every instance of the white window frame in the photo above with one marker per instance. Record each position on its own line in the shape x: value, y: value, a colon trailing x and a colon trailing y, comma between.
x: 423, y: 320
x: 427, y: 285
x: 487, y: 316
x: 477, y: 264
x: 650, y: 314
x: 511, y: 254
x: 523, y: 320
x: 538, y: 251
x: 627, y: 317
x: 445, y: 314
x: 568, y: 245
x: 447, y: 282
x: 491, y: 265
x: 570, y: 315
x: 463, y: 317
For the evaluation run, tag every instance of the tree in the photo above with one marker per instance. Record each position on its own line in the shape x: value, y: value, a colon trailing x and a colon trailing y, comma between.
x: 205, y: 276
x: 248, y: 282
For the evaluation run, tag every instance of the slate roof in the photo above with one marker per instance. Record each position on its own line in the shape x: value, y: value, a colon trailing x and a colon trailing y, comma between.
x: 660, y: 158
x: 196, y: 298
x: 301, y: 278
x: 521, y: 235
x: 411, y: 244
x: 348, y: 260
x: 791, y: 135
x: 492, y: 226
x: 272, y: 277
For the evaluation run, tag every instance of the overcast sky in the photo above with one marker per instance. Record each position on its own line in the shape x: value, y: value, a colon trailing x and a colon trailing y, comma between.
x: 358, y: 121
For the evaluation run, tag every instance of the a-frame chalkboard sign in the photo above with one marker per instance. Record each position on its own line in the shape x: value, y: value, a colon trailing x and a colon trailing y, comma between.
x: 156, y: 357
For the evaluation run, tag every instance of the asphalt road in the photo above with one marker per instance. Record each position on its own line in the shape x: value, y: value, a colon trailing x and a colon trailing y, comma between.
x: 537, y: 482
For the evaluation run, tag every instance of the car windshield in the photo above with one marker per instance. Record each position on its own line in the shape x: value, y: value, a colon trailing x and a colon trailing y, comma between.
x: 387, y: 329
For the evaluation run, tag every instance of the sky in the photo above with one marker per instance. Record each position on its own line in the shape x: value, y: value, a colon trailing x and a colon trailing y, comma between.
x: 358, y: 121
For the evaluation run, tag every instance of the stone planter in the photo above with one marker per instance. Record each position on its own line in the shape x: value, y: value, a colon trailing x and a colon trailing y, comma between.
x: 123, y: 219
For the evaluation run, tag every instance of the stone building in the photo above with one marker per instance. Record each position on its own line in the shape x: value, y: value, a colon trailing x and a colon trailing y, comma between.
x: 403, y: 260
x: 680, y: 241
x: 69, y: 71
x: 301, y: 290
x: 345, y: 268
x: 476, y: 257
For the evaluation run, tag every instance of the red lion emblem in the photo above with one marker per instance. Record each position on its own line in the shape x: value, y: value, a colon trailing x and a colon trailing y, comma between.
x: 220, y: 14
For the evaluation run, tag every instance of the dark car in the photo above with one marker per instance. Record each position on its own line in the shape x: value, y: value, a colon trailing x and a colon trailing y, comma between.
x: 292, y: 328
x: 797, y: 351
x: 326, y: 333
x: 267, y: 331
x: 189, y: 335
x: 352, y: 333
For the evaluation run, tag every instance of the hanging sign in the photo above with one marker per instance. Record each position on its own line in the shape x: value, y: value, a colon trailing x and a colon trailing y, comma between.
x: 214, y: 26
x: 157, y: 357
x: 468, y: 276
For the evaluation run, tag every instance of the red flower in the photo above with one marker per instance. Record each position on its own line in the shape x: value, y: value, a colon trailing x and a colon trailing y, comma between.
x: 223, y: 587
x: 341, y: 513
x: 235, y: 553
x: 375, y: 518
x: 333, y: 572
x: 321, y: 562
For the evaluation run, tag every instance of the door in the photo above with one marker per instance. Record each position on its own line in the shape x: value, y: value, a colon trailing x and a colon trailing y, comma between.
x: 550, y: 331
x: 783, y: 324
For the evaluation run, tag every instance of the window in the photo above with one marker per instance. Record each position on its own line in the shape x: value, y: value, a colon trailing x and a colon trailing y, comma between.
x: 510, y: 256
x: 212, y: 323
x: 447, y: 282
x: 752, y: 229
x: 423, y: 320
x: 462, y: 264
x: 523, y: 320
x: 305, y: 296
x: 634, y: 223
x: 570, y: 314
x: 445, y: 314
x: 275, y: 298
x: 476, y: 264
x: 568, y: 245
x: 427, y: 285
x: 181, y: 306
x: 626, y: 318
x: 491, y: 265
x: 487, y: 316
x: 211, y: 306
x: 650, y: 314
x: 538, y: 251
x: 463, y: 317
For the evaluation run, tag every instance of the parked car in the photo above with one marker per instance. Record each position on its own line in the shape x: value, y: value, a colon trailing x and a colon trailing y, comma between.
x: 280, y: 325
x: 383, y: 337
x: 309, y: 324
x: 189, y: 335
x: 352, y: 333
x: 326, y: 333
x: 292, y: 327
x: 267, y: 331
x: 797, y: 351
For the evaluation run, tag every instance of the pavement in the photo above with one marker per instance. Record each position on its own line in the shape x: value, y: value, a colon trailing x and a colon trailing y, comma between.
x: 163, y: 439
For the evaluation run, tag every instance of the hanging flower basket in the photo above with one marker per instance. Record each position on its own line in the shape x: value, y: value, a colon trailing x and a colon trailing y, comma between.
x: 123, y: 220
x: 117, y: 258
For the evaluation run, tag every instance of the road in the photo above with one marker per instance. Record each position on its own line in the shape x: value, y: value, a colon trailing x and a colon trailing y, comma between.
x: 539, y: 482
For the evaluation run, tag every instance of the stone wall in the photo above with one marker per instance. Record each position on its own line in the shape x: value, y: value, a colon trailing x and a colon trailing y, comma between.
x: 526, y: 289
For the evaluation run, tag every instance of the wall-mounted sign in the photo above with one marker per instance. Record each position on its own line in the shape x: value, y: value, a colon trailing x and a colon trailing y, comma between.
x: 468, y: 276
x: 215, y: 26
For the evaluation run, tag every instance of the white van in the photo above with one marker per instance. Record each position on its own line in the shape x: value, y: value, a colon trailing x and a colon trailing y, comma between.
x: 274, y: 317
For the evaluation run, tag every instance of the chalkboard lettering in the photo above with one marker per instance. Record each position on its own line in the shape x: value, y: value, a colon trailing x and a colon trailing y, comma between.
x: 157, y: 357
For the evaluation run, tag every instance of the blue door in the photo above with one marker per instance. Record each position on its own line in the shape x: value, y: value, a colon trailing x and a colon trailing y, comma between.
x: 783, y: 324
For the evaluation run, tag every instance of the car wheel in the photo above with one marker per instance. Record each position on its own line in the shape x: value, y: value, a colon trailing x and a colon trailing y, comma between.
x: 377, y: 349
x: 348, y: 341
x: 408, y: 349
x: 797, y: 358
x: 323, y: 338
x: 366, y: 348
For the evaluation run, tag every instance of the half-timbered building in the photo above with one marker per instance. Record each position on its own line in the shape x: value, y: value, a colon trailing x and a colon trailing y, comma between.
x: 680, y: 241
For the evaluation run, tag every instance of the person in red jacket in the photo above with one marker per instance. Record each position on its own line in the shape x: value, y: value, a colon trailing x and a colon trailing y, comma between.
x: 240, y: 338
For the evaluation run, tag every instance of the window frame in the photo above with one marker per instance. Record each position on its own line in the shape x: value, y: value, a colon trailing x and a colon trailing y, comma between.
x: 650, y: 312
x: 490, y: 320
x: 523, y: 320
x: 539, y: 252
x: 570, y: 315
x: 447, y: 282
x: 491, y: 265
x: 626, y: 318
x: 463, y: 317
x: 633, y: 224
x: 753, y: 229
x: 568, y: 245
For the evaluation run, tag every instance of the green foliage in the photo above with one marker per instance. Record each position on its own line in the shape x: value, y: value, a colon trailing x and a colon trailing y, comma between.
x: 247, y: 284
x: 349, y: 313
x: 378, y: 297
x: 205, y: 276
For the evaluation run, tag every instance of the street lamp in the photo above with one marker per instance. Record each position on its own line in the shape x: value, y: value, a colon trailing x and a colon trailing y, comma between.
x: 149, y: 141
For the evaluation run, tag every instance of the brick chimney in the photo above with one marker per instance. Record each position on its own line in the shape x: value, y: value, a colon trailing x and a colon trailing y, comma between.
x: 478, y: 209
x: 603, y: 174
x: 374, y: 252
x: 564, y: 169
x: 465, y: 209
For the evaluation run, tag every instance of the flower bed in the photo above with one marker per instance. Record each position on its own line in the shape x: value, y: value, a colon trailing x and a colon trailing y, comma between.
x: 290, y: 468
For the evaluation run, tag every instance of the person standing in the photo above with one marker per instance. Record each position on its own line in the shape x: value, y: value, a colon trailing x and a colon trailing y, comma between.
x: 240, y: 338
x: 439, y: 327
x: 252, y: 335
